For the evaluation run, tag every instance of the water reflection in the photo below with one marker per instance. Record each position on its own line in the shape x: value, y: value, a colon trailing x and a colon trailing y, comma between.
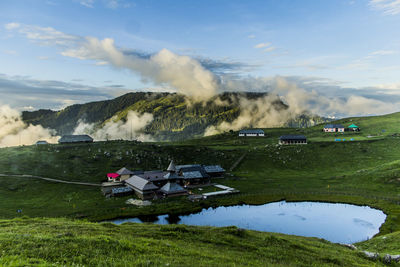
x: 342, y: 223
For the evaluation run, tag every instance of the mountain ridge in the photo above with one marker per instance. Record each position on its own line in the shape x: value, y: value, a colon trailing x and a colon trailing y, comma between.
x: 174, y: 117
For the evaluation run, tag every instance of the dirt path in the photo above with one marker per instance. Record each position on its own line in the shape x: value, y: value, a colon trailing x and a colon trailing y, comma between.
x: 237, y: 162
x: 48, y: 179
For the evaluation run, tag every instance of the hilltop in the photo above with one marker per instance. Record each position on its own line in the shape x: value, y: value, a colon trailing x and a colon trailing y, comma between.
x: 174, y: 117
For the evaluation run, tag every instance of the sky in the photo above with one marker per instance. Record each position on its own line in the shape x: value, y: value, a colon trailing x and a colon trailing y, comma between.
x: 57, y: 53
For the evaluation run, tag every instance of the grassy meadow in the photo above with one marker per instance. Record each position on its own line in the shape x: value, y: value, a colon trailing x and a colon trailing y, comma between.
x: 365, y: 171
x: 63, y: 242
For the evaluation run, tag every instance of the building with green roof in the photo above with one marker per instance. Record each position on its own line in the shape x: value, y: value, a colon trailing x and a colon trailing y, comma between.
x: 354, y: 127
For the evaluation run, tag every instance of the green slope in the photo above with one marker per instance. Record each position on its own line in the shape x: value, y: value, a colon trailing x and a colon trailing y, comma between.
x: 174, y: 117
x: 364, y: 172
x: 61, y: 242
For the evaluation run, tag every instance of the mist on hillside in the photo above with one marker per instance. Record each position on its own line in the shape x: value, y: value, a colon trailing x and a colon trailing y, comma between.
x: 130, y: 129
x: 14, y: 132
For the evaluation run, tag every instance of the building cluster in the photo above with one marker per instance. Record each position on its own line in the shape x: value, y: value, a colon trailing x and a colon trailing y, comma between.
x: 339, y: 128
x: 292, y: 139
x: 158, y: 183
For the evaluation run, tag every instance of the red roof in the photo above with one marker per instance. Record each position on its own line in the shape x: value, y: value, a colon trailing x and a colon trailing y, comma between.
x: 113, y: 175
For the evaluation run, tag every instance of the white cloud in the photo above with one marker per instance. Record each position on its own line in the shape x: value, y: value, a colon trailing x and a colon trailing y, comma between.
x: 101, y: 63
x: 164, y: 68
x: 262, y: 45
x: 185, y: 74
x: 87, y: 3
x: 390, y: 86
x: 43, y: 35
x: 270, y: 49
x: 383, y: 53
x: 11, y: 52
x: 112, y: 4
x: 14, y: 132
x: 132, y: 128
x: 11, y: 26
x: 251, y: 36
x: 388, y: 7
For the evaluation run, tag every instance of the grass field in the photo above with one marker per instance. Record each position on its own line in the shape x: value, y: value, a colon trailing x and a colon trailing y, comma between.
x: 49, y: 242
x: 365, y: 172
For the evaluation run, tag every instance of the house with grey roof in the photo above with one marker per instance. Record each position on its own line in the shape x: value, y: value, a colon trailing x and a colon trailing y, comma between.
x: 173, y: 189
x: 156, y: 177
x: 73, y: 139
x: 210, y: 170
x: 194, y: 175
x: 124, y: 174
x: 252, y: 132
x: 118, y: 191
x: 214, y: 170
x: 143, y: 188
x: 292, y: 140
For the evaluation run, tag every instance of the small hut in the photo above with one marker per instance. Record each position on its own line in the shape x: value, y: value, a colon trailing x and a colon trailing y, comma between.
x: 354, y: 128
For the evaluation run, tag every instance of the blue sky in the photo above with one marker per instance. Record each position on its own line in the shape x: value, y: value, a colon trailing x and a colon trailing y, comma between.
x: 338, y: 48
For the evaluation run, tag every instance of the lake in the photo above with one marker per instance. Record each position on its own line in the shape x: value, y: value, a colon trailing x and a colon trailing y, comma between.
x: 336, y: 222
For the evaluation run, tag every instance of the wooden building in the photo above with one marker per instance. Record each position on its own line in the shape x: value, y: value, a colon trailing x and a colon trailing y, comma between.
x: 214, y: 171
x: 292, y: 140
x: 194, y: 175
x: 156, y: 177
x: 143, y: 188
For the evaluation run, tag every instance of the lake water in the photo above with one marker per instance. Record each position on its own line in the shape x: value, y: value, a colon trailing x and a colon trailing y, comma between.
x: 340, y: 223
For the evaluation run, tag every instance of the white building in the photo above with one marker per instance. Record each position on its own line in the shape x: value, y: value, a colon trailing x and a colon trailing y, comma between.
x: 252, y: 132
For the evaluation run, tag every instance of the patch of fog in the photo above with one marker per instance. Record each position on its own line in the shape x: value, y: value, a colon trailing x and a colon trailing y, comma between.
x: 132, y: 128
x: 14, y: 131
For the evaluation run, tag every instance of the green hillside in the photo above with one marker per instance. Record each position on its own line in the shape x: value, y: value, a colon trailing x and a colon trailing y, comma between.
x: 365, y: 171
x: 61, y: 242
x: 174, y: 117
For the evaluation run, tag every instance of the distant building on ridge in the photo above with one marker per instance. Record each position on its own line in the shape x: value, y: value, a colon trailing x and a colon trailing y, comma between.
x: 41, y: 142
x: 292, y: 140
x: 353, y: 128
x: 334, y: 128
x: 252, y: 132
x: 72, y: 139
